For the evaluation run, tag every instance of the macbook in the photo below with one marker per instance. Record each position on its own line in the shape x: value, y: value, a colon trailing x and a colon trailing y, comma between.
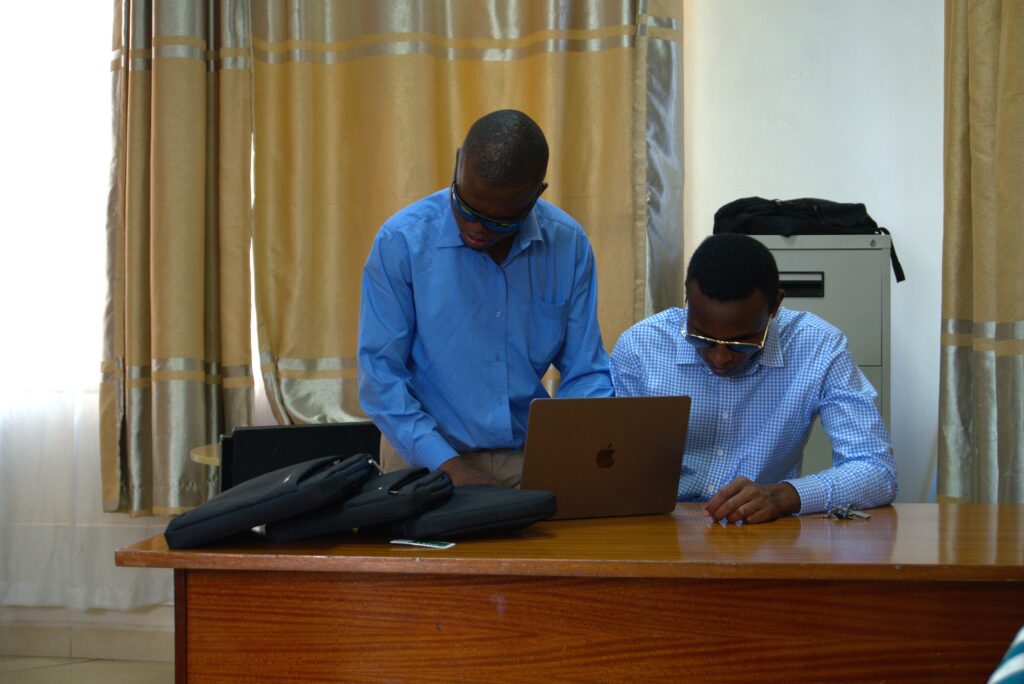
x: 608, y: 456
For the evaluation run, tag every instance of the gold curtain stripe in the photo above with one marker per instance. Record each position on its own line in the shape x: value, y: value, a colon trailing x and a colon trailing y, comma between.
x: 107, y: 366
x: 145, y: 56
x: 434, y: 39
x: 988, y: 329
x: 317, y: 375
x: 187, y: 376
x: 159, y: 41
x: 303, y: 365
x: 984, y: 344
x: 659, y: 33
x: 233, y: 383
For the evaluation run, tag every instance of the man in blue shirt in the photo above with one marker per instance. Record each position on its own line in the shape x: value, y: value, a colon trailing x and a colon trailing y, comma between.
x: 468, y: 296
x: 758, y: 374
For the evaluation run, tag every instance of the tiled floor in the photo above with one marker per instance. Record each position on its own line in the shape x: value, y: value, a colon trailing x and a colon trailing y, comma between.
x: 23, y: 670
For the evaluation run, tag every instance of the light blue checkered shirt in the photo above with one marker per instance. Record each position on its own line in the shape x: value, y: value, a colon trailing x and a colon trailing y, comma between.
x: 755, y: 423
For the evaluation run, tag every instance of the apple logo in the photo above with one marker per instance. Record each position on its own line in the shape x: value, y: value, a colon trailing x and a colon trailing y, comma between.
x: 605, y: 457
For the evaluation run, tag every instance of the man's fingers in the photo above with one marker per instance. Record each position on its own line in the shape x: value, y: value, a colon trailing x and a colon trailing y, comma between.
x: 758, y: 510
x: 714, y: 506
x: 763, y: 515
x: 743, y: 511
x: 734, y: 503
x: 749, y: 503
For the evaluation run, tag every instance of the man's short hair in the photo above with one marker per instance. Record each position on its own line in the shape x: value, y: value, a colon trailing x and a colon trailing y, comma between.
x: 507, y: 149
x: 730, y: 266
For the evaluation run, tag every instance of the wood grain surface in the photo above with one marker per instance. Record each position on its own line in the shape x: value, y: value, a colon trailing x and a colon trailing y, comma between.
x: 934, y: 542
x: 320, y: 627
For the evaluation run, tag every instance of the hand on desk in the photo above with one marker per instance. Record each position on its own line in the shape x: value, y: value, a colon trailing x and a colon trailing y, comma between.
x: 750, y: 502
x: 463, y: 474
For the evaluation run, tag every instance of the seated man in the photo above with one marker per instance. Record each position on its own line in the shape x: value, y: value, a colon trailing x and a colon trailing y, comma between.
x: 758, y: 374
x: 468, y: 296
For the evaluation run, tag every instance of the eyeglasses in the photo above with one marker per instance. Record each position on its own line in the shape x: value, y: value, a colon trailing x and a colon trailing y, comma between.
x: 702, y: 343
x: 492, y: 224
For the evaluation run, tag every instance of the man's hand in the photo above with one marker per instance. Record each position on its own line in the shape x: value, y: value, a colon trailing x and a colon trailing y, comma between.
x: 745, y: 500
x: 463, y: 474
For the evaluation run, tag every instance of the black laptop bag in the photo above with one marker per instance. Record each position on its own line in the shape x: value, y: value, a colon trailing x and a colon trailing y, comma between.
x: 278, y: 494
x: 475, y: 511
x: 804, y: 216
x: 384, y: 498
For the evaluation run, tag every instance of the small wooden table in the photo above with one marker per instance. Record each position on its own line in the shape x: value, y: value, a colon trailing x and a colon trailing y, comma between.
x: 207, y: 454
x: 919, y: 591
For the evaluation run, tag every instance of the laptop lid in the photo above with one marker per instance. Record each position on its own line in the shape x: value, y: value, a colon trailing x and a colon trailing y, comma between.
x: 607, y: 456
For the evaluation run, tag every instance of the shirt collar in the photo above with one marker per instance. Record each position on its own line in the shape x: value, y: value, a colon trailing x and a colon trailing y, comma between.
x: 770, y: 355
x: 449, y: 236
x: 527, y: 233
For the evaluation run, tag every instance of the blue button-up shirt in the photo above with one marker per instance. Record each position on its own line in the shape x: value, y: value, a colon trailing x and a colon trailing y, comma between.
x: 755, y: 423
x: 453, y: 346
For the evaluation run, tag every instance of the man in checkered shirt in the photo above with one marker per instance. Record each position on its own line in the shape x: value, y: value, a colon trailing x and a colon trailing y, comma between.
x: 759, y: 374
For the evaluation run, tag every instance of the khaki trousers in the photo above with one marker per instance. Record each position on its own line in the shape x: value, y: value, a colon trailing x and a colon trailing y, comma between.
x: 504, y: 465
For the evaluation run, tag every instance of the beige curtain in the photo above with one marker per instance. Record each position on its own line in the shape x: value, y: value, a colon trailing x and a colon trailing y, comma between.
x: 358, y: 109
x: 176, y: 364
x: 981, y: 444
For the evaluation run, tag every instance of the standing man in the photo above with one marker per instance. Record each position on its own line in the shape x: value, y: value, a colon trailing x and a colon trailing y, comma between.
x: 468, y: 296
x: 759, y: 374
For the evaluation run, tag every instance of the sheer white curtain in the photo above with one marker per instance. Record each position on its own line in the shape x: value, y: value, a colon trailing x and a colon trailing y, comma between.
x: 56, y: 545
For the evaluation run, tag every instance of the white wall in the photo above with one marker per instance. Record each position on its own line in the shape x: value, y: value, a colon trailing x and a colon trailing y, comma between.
x: 839, y: 100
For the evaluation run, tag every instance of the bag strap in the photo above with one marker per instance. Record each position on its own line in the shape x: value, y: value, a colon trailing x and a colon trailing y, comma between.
x: 897, y: 268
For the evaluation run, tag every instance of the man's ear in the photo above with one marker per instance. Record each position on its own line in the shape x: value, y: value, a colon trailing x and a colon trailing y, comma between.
x: 543, y: 187
x: 778, y: 301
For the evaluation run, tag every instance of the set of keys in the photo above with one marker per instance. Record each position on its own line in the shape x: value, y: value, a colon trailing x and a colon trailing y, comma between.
x: 846, y: 512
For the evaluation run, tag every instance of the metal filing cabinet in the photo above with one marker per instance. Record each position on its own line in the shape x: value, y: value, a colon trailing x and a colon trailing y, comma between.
x: 845, y: 280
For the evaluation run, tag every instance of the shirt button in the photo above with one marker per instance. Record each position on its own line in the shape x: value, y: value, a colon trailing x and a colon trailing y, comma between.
x: 725, y: 415
x: 710, y: 489
x: 497, y: 314
x: 719, y: 452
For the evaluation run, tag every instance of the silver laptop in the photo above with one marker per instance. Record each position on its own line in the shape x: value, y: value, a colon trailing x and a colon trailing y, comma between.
x: 604, y: 457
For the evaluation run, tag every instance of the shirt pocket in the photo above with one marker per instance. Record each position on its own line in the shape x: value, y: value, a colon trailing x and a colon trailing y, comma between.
x: 545, y: 326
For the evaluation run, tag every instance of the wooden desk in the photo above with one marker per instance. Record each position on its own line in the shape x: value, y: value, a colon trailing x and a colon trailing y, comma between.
x: 920, y: 591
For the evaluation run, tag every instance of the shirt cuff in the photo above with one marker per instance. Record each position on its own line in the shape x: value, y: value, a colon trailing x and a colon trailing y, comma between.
x: 813, y: 494
x: 431, y: 451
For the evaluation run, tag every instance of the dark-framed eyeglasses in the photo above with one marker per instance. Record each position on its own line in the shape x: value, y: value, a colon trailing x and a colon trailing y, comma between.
x: 473, y: 216
x: 702, y: 343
